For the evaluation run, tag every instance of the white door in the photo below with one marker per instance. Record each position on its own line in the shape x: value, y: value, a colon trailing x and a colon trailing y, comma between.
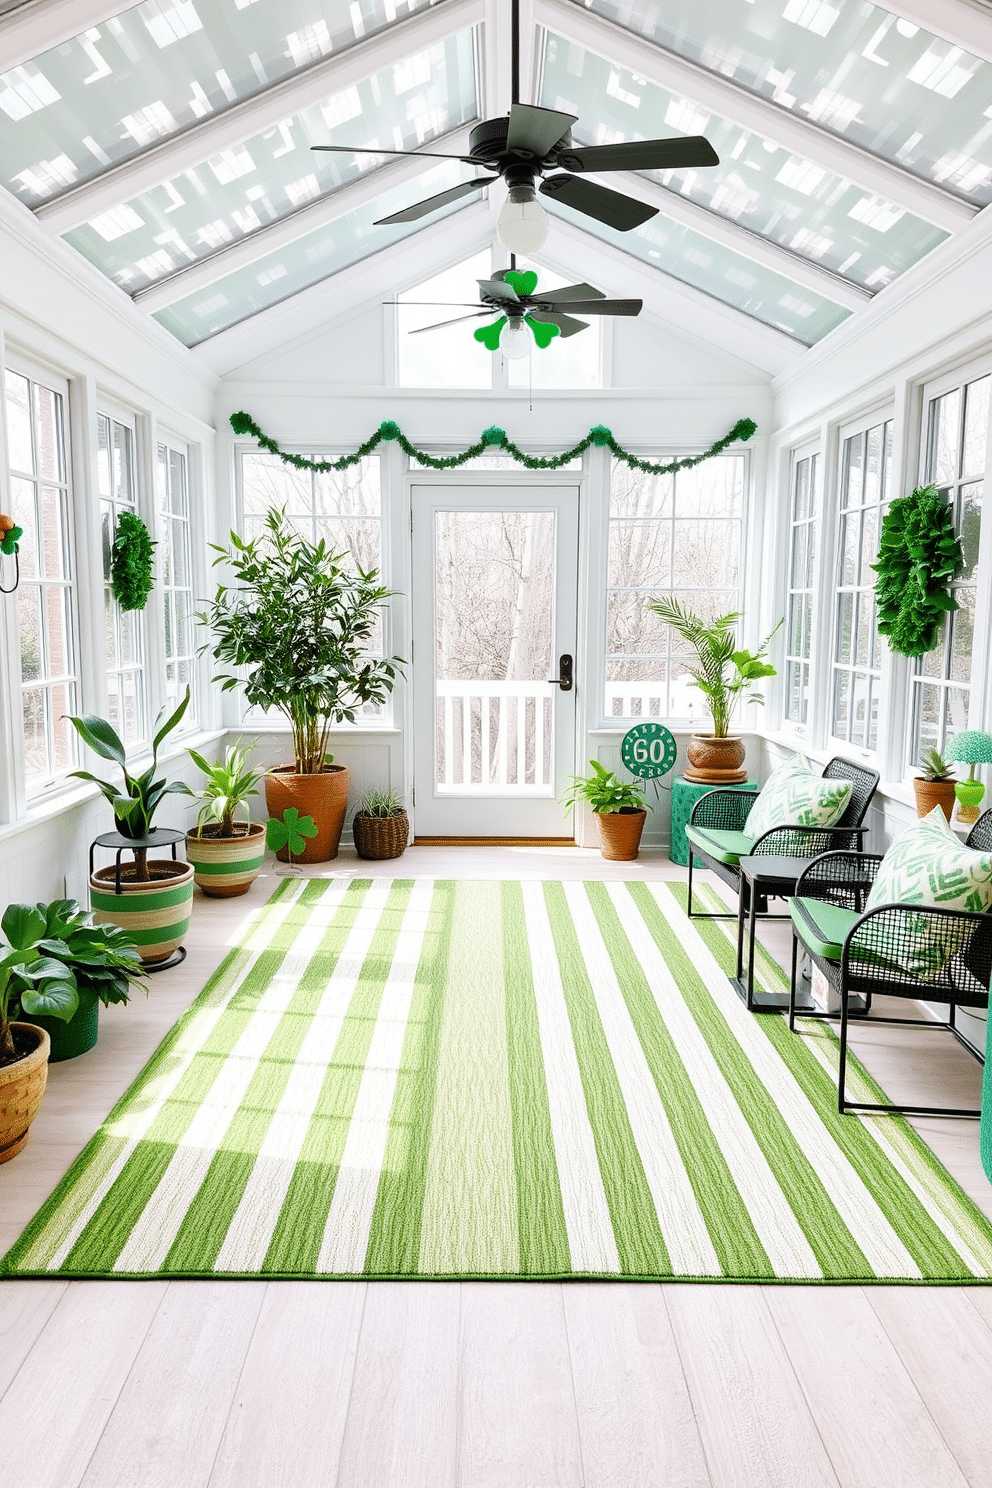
x: 494, y: 575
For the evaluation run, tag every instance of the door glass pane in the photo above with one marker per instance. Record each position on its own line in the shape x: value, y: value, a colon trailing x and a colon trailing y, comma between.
x: 494, y: 619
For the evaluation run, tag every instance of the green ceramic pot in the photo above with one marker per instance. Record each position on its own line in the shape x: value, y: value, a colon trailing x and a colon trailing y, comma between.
x: 71, y: 1039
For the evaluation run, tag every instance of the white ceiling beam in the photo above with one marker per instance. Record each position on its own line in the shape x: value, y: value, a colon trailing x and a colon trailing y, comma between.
x: 733, y: 102
x: 216, y: 132
x: 36, y: 28
x: 961, y: 22
x: 277, y: 235
x: 750, y: 245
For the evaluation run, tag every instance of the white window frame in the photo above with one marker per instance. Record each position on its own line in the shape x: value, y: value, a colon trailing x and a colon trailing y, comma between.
x: 978, y: 685
x: 810, y: 455
x: 106, y: 409
x: 27, y: 795
x: 172, y: 443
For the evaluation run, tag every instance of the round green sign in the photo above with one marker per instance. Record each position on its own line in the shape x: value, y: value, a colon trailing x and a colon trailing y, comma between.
x: 648, y: 750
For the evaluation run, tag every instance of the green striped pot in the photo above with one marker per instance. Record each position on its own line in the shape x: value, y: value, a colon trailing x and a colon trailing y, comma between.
x: 226, y: 866
x: 156, y: 914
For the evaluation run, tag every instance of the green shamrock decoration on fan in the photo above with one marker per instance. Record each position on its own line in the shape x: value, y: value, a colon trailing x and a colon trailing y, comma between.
x: 290, y: 832
x: 543, y: 331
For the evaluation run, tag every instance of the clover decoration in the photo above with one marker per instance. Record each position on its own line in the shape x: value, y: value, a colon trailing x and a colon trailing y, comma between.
x: 544, y: 331
x: 290, y: 832
x: 10, y: 536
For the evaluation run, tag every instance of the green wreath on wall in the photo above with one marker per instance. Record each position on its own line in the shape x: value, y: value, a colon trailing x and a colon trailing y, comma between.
x: 918, y: 556
x: 131, y: 562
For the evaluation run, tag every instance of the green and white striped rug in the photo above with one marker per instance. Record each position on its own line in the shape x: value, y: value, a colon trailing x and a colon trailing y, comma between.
x: 418, y: 1078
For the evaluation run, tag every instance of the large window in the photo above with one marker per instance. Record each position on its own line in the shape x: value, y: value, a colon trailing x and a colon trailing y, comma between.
x: 669, y: 534
x: 865, y: 479
x: 955, y: 454
x: 36, y: 427
x: 804, y: 515
x: 176, y: 569
x: 123, y: 629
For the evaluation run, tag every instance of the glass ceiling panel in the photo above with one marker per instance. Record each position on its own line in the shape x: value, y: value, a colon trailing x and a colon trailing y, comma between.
x: 727, y: 276
x: 155, y: 70
x: 306, y: 261
x: 851, y: 67
x: 759, y: 185
x: 275, y: 173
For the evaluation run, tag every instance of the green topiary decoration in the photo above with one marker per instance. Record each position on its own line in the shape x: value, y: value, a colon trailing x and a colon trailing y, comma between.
x: 918, y: 557
x: 131, y: 562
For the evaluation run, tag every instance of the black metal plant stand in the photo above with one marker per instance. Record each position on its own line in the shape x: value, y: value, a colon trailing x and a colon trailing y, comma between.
x: 158, y: 837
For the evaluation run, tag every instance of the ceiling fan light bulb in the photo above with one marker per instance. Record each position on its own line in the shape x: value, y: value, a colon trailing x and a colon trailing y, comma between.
x: 522, y: 224
x: 515, y: 339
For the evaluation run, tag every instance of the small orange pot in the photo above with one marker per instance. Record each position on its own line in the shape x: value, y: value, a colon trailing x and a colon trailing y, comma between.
x: 323, y: 796
x: 931, y: 793
x: 620, y: 834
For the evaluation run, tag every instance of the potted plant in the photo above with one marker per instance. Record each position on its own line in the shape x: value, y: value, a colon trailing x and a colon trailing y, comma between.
x: 725, y: 675
x: 155, y: 898
x: 227, y: 855
x: 300, y: 619
x: 381, y: 825
x: 934, y: 786
x: 31, y: 981
x: 618, y: 806
x: 103, y: 961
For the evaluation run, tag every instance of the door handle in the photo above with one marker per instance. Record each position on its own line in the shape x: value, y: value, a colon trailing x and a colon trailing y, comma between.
x: 564, y: 679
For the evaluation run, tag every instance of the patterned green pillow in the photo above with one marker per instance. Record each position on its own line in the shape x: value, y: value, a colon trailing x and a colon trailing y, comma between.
x: 928, y: 864
x: 794, y: 795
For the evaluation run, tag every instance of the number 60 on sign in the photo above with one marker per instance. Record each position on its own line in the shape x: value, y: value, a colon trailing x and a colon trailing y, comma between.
x: 648, y: 750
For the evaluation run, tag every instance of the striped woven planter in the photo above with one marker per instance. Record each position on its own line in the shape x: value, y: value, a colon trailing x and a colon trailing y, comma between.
x: 155, y: 914
x: 226, y: 866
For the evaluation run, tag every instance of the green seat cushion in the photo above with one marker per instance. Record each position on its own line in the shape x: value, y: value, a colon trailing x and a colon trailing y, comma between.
x: 724, y: 846
x: 822, y: 928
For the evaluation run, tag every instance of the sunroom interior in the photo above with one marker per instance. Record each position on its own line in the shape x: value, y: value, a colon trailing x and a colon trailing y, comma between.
x: 827, y: 281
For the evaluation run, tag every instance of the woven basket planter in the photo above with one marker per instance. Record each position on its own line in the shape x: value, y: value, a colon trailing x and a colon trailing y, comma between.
x: 156, y: 914
x: 22, y: 1084
x: 226, y: 866
x: 620, y: 834
x: 71, y: 1039
x: 381, y: 836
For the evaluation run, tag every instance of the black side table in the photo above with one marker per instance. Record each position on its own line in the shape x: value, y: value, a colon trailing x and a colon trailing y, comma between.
x: 118, y: 843
x: 762, y: 877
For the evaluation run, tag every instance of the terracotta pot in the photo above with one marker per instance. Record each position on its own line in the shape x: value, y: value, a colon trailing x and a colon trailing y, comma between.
x: 227, y: 866
x: 716, y: 760
x: 380, y: 836
x: 931, y: 793
x: 620, y: 834
x: 323, y: 796
x: 156, y: 914
x: 22, y: 1084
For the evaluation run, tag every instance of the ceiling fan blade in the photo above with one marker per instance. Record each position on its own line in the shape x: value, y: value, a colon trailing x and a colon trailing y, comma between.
x: 566, y: 325
x: 569, y: 292
x: 605, y: 307
x: 497, y: 289
x: 666, y: 154
x: 536, y: 130
x: 613, y: 208
x: 478, y: 315
x: 368, y: 150
x: 432, y: 203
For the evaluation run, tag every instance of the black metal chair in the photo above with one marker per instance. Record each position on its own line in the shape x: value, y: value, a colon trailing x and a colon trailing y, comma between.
x: 716, y: 830
x: 865, y: 954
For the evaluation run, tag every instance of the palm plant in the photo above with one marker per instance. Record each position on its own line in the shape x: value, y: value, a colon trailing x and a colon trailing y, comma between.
x: 725, y: 673
x: 229, y: 784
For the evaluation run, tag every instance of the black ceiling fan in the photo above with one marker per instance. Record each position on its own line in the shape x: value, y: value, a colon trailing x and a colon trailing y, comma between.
x: 552, y: 312
x: 525, y: 146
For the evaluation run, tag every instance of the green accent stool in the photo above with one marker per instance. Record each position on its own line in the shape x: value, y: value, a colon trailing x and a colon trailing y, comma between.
x: 987, y: 1102
x: 685, y: 794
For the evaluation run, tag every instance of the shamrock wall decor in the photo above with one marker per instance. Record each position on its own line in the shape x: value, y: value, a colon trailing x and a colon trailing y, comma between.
x: 10, y: 536
x: 288, y: 834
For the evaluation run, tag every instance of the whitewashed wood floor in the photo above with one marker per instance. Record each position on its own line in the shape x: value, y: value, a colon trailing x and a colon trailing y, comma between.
x: 481, y: 1385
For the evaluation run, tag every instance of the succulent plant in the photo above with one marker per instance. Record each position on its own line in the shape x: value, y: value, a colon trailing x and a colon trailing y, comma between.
x: 934, y: 767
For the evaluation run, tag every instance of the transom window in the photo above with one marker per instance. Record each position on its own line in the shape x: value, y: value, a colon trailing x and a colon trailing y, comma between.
x: 176, y: 567
x: 805, y: 507
x: 865, y: 480
x: 37, y: 441
x: 124, y: 630
x: 669, y: 534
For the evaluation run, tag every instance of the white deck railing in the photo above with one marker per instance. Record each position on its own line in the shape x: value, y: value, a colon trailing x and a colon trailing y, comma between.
x: 495, y: 738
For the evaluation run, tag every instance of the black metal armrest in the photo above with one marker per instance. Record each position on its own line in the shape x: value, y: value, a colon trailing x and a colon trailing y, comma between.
x: 722, y: 809
x: 922, y: 950
x: 796, y: 841
x: 839, y: 878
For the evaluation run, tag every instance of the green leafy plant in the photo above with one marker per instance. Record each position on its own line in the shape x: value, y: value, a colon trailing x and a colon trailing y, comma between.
x: 604, y: 792
x: 135, y: 805
x: 301, y: 621
x: 918, y: 556
x: 934, y: 767
x: 33, y: 974
x: 131, y: 562
x: 381, y: 803
x: 229, y: 784
x: 290, y: 831
x: 726, y: 673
